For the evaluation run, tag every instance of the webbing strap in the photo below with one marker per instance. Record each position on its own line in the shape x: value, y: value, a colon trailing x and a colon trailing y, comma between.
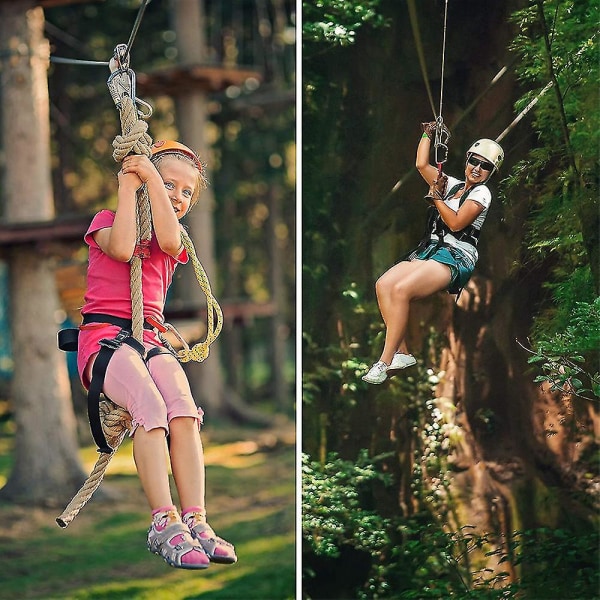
x: 436, y: 225
x: 107, y: 349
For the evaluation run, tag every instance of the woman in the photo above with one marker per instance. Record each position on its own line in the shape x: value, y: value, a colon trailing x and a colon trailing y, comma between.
x: 446, y: 258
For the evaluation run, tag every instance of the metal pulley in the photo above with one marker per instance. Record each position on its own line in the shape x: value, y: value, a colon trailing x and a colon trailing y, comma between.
x: 440, y: 142
x: 121, y: 82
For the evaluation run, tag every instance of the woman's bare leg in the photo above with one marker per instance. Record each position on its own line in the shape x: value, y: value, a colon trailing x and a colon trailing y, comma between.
x: 397, y: 288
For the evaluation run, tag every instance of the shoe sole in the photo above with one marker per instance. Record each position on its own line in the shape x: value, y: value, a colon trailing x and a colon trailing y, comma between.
x: 373, y: 382
x: 396, y: 370
x: 186, y: 567
x: 222, y: 560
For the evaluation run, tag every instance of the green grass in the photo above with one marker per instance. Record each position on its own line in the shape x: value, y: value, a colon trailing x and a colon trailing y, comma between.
x: 102, y: 554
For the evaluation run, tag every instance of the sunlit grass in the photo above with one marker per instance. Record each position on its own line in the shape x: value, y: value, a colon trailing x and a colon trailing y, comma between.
x: 102, y: 554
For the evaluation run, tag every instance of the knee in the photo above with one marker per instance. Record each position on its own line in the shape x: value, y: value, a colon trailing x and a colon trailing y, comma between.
x: 395, y: 289
x: 182, y: 424
x: 401, y: 292
x: 383, y: 286
x: 184, y: 428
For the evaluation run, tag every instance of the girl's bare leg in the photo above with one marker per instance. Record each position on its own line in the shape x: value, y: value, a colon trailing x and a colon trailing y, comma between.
x: 149, y: 454
x: 187, y: 462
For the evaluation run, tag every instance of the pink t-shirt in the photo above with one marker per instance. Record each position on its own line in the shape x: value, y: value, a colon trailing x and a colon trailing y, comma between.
x: 108, y: 283
x: 109, y: 290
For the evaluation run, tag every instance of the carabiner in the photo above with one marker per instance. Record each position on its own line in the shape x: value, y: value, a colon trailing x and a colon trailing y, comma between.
x: 442, y: 135
x: 121, y: 81
x: 147, y: 108
x: 441, y: 153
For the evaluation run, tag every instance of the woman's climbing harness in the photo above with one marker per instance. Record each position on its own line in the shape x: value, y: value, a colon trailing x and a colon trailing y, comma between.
x: 109, y: 422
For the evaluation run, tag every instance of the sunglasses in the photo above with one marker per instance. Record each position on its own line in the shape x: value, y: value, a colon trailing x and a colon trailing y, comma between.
x: 485, y: 165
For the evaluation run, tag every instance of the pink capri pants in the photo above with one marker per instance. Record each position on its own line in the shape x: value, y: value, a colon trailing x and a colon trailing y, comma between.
x: 153, y: 392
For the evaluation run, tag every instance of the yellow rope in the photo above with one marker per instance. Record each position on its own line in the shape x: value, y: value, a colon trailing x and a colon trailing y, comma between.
x: 199, y: 351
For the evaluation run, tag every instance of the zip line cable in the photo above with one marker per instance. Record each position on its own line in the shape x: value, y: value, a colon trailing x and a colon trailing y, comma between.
x: 123, y: 57
x: 136, y: 26
x: 443, y: 58
x: 78, y: 61
x: 442, y: 135
x: 414, y: 23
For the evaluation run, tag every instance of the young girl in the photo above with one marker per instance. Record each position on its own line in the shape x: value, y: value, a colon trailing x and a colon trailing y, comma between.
x: 443, y: 261
x: 152, y: 385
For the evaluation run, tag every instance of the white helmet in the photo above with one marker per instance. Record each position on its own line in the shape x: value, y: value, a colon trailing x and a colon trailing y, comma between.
x: 490, y: 150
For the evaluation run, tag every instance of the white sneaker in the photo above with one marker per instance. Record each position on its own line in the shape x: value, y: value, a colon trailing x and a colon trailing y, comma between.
x: 401, y: 361
x: 377, y: 373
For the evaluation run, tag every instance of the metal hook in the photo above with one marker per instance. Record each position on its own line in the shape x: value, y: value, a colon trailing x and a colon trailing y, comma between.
x: 441, y: 153
x: 442, y: 135
x: 121, y: 81
x: 147, y: 108
x: 121, y: 56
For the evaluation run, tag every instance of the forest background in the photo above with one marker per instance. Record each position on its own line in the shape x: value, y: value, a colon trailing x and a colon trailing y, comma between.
x: 221, y: 78
x: 474, y: 474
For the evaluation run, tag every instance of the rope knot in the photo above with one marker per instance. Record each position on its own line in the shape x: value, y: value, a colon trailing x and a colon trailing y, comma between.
x: 134, y: 139
x: 116, y: 421
x: 199, y: 353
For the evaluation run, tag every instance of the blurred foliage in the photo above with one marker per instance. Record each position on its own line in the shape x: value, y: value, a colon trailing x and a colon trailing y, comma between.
x: 337, y: 21
x: 331, y: 505
x: 400, y: 485
x: 558, y: 43
x: 250, y: 136
x: 417, y: 556
x: 562, y: 355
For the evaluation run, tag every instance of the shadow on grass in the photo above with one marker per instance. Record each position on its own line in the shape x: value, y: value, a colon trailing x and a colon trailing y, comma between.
x: 102, y: 555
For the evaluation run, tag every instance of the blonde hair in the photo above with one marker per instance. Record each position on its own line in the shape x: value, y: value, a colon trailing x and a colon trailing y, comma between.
x: 201, y: 182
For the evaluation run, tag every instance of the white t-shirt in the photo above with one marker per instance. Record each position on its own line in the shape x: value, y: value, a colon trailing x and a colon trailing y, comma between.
x: 482, y: 195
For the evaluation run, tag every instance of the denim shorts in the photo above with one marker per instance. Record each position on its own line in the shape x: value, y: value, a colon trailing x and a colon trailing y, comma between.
x: 461, y: 267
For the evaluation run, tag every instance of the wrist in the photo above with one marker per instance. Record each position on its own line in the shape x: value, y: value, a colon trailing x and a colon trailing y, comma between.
x: 154, y: 179
x: 424, y: 136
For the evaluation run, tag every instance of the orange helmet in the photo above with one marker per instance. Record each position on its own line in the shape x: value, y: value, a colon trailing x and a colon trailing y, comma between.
x: 172, y: 147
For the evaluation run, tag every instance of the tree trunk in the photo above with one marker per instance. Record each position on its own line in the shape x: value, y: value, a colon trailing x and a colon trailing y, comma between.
x: 188, y: 16
x: 279, y: 333
x: 46, y: 468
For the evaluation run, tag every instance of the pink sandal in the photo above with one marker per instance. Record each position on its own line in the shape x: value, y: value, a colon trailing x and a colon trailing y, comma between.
x: 217, y: 549
x: 177, y: 546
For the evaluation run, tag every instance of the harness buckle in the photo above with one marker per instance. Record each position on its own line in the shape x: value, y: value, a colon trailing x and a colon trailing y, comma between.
x: 116, y: 342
